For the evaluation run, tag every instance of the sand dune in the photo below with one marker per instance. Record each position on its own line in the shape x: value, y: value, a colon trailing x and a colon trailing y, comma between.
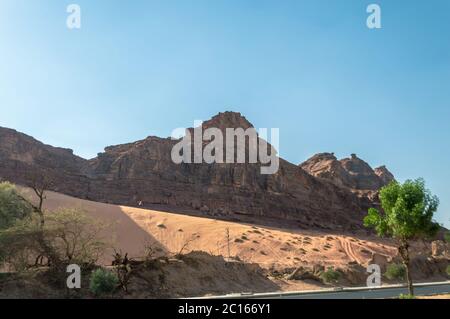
x: 275, y: 248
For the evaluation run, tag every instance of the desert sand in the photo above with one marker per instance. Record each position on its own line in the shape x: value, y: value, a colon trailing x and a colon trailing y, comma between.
x: 132, y: 229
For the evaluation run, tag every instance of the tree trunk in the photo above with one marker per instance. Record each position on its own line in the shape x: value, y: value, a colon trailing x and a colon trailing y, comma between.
x: 409, y: 279
x: 404, y: 253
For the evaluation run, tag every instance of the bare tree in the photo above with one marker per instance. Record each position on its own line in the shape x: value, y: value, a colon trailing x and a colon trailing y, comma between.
x: 186, y: 244
x: 123, y: 269
x: 39, y: 184
x: 227, y: 235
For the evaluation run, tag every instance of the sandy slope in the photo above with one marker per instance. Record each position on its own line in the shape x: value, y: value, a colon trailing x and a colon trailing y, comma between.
x: 277, y: 248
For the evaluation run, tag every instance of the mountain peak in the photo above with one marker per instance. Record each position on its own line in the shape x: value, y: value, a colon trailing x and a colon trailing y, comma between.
x: 228, y: 119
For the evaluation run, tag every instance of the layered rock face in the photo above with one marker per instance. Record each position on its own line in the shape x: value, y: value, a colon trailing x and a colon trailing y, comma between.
x: 143, y: 172
x: 22, y: 159
x: 352, y: 173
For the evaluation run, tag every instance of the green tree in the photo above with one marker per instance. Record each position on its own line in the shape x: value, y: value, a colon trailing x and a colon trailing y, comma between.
x: 12, y: 207
x: 407, y: 214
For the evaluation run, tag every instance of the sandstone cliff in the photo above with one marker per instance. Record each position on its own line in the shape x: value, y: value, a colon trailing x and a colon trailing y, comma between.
x: 353, y: 172
x: 143, y: 172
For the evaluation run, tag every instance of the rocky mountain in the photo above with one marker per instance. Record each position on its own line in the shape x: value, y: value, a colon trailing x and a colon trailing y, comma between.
x: 352, y: 173
x: 319, y: 193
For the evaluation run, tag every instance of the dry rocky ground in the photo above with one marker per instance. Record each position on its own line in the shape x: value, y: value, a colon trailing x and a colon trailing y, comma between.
x: 263, y: 257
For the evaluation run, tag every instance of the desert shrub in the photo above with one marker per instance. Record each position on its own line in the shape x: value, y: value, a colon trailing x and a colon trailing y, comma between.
x: 68, y: 236
x: 406, y: 296
x: 12, y: 207
x: 395, y: 272
x: 20, y: 244
x: 103, y: 282
x: 330, y: 275
x: 74, y: 236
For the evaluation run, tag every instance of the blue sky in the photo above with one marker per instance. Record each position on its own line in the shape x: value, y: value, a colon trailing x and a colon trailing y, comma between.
x: 311, y: 68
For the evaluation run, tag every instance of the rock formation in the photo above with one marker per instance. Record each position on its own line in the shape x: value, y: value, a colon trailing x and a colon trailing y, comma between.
x: 352, y: 172
x: 319, y: 193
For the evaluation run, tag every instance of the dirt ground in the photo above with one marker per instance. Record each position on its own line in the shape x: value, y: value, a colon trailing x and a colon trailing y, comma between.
x: 223, y: 256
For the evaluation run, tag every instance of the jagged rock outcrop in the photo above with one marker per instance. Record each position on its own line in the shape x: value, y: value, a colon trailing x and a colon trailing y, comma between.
x: 384, y: 174
x: 143, y: 172
x: 440, y: 248
x: 353, y: 172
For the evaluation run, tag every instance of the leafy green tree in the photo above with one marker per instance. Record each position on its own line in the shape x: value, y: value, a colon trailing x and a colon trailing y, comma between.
x: 407, y: 215
x: 12, y: 207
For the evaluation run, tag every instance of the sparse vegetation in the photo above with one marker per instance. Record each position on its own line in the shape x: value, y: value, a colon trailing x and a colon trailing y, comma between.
x: 330, y: 275
x: 406, y: 296
x: 395, y: 272
x: 187, y: 242
x: 123, y: 269
x: 36, y: 238
x: 12, y: 207
x: 75, y: 236
x: 227, y: 238
x: 103, y: 282
x: 448, y: 270
x: 68, y: 236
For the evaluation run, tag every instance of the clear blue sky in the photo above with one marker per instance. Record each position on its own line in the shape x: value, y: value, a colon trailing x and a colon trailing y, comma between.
x: 311, y: 68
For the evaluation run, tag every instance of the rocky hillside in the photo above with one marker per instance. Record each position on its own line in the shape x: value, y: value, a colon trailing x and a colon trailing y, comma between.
x: 143, y: 172
x: 352, y: 173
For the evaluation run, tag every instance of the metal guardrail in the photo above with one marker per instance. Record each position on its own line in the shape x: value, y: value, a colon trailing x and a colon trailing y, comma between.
x: 249, y: 295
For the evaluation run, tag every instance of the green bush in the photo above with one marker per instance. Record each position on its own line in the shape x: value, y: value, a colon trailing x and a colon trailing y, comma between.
x: 406, y: 296
x: 103, y: 282
x: 448, y: 270
x: 395, y: 272
x: 12, y: 207
x: 330, y: 275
